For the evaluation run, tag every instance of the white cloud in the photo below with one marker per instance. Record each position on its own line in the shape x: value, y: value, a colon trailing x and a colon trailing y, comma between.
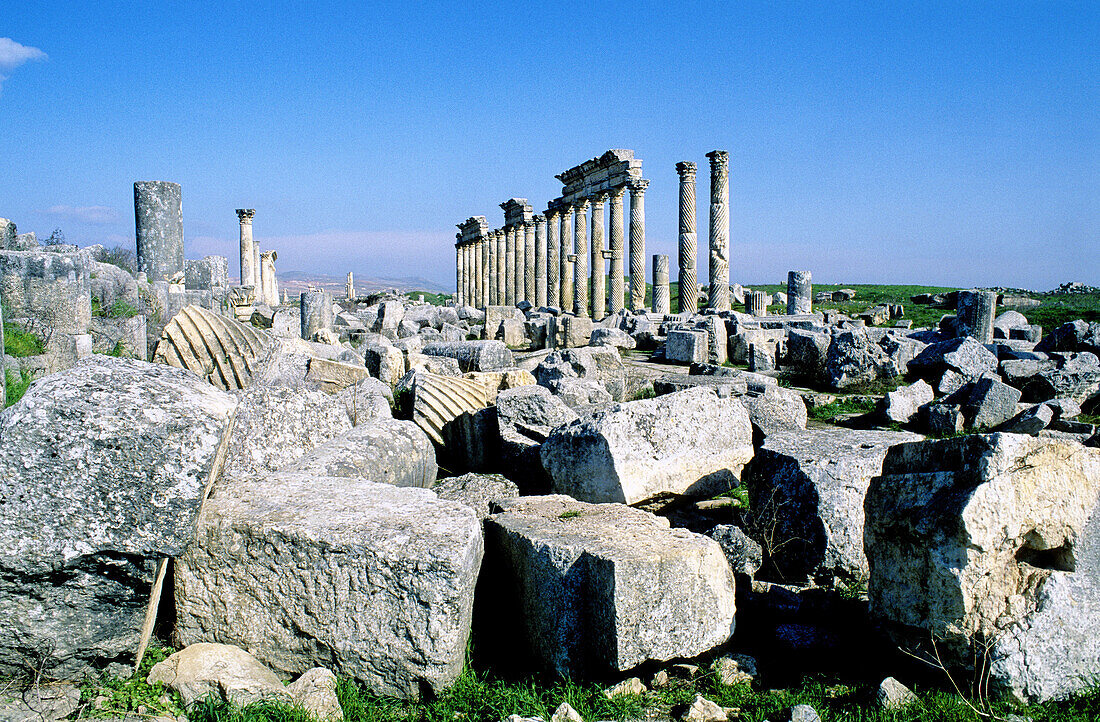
x: 13, y: 54
x: 93, y: 215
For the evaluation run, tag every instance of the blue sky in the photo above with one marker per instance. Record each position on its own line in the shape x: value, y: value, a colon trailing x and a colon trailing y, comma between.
x: 945, y: 143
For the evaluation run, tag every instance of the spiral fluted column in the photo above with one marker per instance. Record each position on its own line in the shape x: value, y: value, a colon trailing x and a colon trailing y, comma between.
x: 637, y: 243
x: 566, y: 251
x: 580, y: 248
x: 719, y: 297
x: 599, y: 287
x: 615, y: 244
x: 689, y: 244
x: 553, y: 259
x: 540, y: 261
x: 529, y: 262
x: 502, y: 263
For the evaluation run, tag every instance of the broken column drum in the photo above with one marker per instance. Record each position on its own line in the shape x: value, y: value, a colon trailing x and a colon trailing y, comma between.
x: 158, y: 217
x: 599, y: 302
x: 580, y: 268
x: 316, y: 311
x: 269, y: 283
x: 688, y: 241
x: 975, y: 314
x: 541, y: 281
x: 756, y: 303
x: 800, y: 292
x: 248, y: 254
x: 566, y: 251
x: 719, y: 297
x: 637, y: 243
x: 617, y: 250
x: 662, y: 303
x: 553, y: 258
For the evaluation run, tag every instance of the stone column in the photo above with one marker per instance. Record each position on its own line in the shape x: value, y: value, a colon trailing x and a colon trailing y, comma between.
x: 158, y: 217
x: 269, y: 283
x: 248, y: 271
x: 800, y: 292
x: 459, y: 280
x: 502, y: 265
x: 615, y: 244
x: 256, y: 260
x: 580, y: 248
x: 756, y: 303
x: 975, y: 314
x: 483, y: 271
x: 599, y: 283
x: 468, y: 272
x: 529, y: 262
x: 510, y: 266
x: 349, y: 287
x: 521, y: 261
x: 637, y: 243
x: 553, y: 260
x: 316, y: 309
x: 689, y: 245
x: 662, y: 302
x: 566, y: 251
x: 541, y: 282
x: 719, y: 296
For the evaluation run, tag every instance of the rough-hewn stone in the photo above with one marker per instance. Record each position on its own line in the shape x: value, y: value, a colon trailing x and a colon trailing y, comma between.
x: 389, y: 451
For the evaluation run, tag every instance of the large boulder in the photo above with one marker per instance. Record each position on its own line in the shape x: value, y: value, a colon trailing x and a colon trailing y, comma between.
x: 103, y: 469
x: 599, y: 363
x: 526, y: 416
x: 593, y: 589
x: 691, y: 442
x: 389, y: 451
x: 963, y: 357
x: 989, y: 545
x: 371, y: 580
x: 806, y: 491
x: 1076, y: 376
x: 854, y: 360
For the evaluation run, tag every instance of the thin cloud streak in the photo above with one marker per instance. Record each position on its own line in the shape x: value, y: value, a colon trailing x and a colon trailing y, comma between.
x: 13, y: 54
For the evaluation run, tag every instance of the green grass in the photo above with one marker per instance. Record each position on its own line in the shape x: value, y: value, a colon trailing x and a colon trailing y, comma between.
x: 119, y: 309
x: 842, y: 407
x: 107, y: 696
x: 435, y: 299
x: 20, y: 342
x: 16, y: 386
x: 645, y: 392
x: 1059, y: 308
x: 571, y: 514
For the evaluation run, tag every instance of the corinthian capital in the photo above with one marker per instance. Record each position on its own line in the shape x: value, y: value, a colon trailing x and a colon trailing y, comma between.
x: 638, y: 186
x: 686, y: 169
x: 245, y: 214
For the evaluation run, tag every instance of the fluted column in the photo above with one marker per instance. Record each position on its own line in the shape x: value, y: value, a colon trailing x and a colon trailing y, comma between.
x: 599, y: 287
x: 719, y: 296
x: 249, y: 269
x: 637, y: 243
x: 689, y: 244
x: 541, y: 282
x: 529, y: 262
x: 502, y: 263
x: 469, y: 273
x: 510, y: 266
x: 580, y: 248
x: 566, y: 251
x: 521, y: 263
x: 615, y: 243
x: 553, y: 260
x: 662, y: 303
x: 491, y: 269
x: 459, y: 279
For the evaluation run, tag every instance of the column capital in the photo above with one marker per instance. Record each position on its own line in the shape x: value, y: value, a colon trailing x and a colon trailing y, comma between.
x: 617, y: 193
x: 638, y: 186
x: 538, y: 219
x: 686, y: 169
x: 581, y: 205
x: 245, y: 215
x: 599, y: 198
x: 719, y: 157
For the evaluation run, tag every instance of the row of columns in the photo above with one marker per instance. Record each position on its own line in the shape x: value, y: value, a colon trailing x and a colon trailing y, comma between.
x: 257, y: 268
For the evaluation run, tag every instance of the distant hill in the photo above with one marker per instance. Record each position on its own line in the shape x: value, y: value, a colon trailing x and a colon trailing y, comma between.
x: 298, y: 281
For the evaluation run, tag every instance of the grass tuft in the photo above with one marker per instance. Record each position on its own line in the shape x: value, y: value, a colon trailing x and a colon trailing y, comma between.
x: 842, y: 407
x: 16, y: 386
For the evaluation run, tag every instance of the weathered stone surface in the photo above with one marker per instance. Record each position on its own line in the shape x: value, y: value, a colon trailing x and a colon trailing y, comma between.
x: 991, y: 403
x: 275, y: 426
x: 158, y: 213
x: 389, y: 451
x: 964, y: 356
x: 724, y: 385
x: 853, y: 360
x: 612, y: 337
x: 583, y: 394
x: 525, y: 417
x: 807, y: 352
x: 691, y: 442
x: 219, y: 670
x: 686, y: 345
x: 40, y: 703
x: 474, y: 355
x: 806, y: 491
x: 477, y: 491
x: 384, y: 362
x: 742, y: 552
x: 1072, y: 336
x: 52, y: 289
x: 103, y: 468
x: 222, y: 350
x: 315, y: 692
x: 772, y: 408
x: 590, y: 589
x: 901, y: 405
x: 1077, y: 377
x: 332, y: 376
x: 945, y: 419
x: 992, y: 541
x: 702, y: 709
x: 277, y: 561
x: 892, y: 695
x: 602, y: 364
x: 1031, y: 420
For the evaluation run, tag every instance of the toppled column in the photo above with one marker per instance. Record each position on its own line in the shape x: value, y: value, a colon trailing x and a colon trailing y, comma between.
x: 349, y: 287
x: 553, y: 258
x: 269, y: 283
x: 756, y: 303
x: 510, y: 266
x: 616, y: 246
x: 662, y: 303
x: 800, y: 293
x: 719, y: 297
x: 975, y: 314
x: 158, y: 217
x: 248, y: 254
x: 580, y: 268
x: 541, y: 282
x: 566, y: 251
x: 689, y: 246
x: 599, y: 288
x: 316, y: 313
x: 637, y: 243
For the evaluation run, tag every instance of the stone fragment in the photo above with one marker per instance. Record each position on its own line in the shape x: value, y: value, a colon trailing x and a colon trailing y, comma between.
x: 223, y: 671
x: 690, y: 442
x: 477, y: 491
x: 743, y: 553
x: 990, y: 543
x: 1076, y: 377
x: 474, y: 355
x: 525, y: 417
x: 594, y: 589
x: 40, y: 703
x: 893, y: 695
x: 566, y: 713
x: 315, y: 692
x: 724, y: 385
x: 685, y: 345
x: 901, y: 405
x: 991, y: 403
x: 384, y: 362
x: 601, y: 364
x: 332, y: 376
x: 735, y: 669
x: 612, y: 337
x: 853, y: 360
x: 806, y: 491
x: 804, y: 712
x: 945, y: 420
x: 388, y: 451
x: 103, y: 469
x: 772, y: 407
x: 1031, y: 420
x: 581, y: 393
x: 275, y: 556
x: 315, y: 313
x: 807, y: 352
x: 964, y: 356
x: 50, y: 289
x: 632, y: 686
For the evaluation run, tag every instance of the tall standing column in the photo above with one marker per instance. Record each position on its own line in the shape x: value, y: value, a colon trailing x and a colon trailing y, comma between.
x: 502, y: 265
x: 521, y: 263
x: 541, y: 282
x: 460, y: 281
x: 719, y: 297
x: 248, y: 270
x: 158, y: 220
x: 637, y: 243
x: 529, y: 262
x: 553, y: 260
x: 615, y: 242
x: 510, y: 266
x: 269, y: 282
x: 599, y: 287
x: 689, y: 246
x: 662, y: 303
x: 566, y: 264
x: 580, y: 248
x: 483, y: 272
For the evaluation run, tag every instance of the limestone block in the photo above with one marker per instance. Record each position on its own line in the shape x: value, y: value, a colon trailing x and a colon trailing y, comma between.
x: 52, y: 289
x: 743, y: 553
x: 474, y: 355
x: 806, y: 489
x: 207, y: 273
x: 388, y: 451
x: 103, y: 468
x: 219, y: 349
x: 945, y: 419
x: 1031, y: 420
x: 593, y: 589
x: 717, y: 342
x: 525, y: 418
x: 370, y: 580
x: 991, y: 403
x: 434, y: 401
x: 477, y: 491
x: 513, y: 332
x: 853, y: 359
x: 687, y: 346
x: 581, y: 394
x: 1077, y: 376
x: 902, y: 404
x: 964, y: 356
x: 333, y: 376
x: 384, y: 362
x: 110, y: 284
x: 612, y: 337
x: 991, y: 541
x: 390, y: 315
x: 772, y: 408
x: 600, y: 363
x: 690, y: 442
x: 724, y: 385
